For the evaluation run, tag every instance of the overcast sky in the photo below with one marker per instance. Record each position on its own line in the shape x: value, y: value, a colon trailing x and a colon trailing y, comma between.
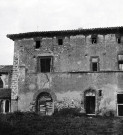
x: 18, y: 16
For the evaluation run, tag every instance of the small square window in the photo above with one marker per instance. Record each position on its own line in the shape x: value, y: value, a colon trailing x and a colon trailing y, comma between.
x: 37, y: 46
x: 119, y: 40
x: 100, y: 93
x: 94, y: 64
x: 44, y: 64
x: 60, y: 41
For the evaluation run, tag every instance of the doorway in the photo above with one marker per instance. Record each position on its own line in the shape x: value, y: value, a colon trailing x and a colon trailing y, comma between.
x: 90, y: 102
x: 45, y: 104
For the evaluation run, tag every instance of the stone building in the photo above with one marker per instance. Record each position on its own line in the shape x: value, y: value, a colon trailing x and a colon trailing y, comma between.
x: 5, y: 90
x: 72, y: 68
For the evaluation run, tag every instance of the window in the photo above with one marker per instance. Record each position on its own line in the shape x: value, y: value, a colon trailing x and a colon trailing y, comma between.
x: 120, y: 104
x: 60, y: 41
x: 100, y: 93
x: 120, y: 62
x: 4, y: 106
x: 44, y: 64
x: 1, y: 83
x: 94, y: 64
x: 37, y: 46
x: 118, y: 40
x: 94, y: 39
x: 7, y: 106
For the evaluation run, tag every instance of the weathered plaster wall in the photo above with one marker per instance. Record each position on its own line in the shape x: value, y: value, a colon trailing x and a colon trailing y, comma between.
x: 73, y: 56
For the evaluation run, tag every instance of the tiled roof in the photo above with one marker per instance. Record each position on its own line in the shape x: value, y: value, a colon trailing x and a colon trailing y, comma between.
x: 106, y: 30
x: 6, y: 68
x: 5, y: 93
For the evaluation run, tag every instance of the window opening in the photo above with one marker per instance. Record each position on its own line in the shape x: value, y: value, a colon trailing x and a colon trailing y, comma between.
x: 1, y: 83
x: 120, y: 104
x: 100, y: 93
x: 7, y: 106
x: 94, y: 39
x: 1, y: 106
x: 45, y: 64
x: 37, y: 44
x: 118, y: 40
x: 60, y: 41
x: 94, y: 64
x: 120, y: 62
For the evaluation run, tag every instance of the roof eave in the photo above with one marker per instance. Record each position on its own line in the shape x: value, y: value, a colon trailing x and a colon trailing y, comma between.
x: 103, y: 31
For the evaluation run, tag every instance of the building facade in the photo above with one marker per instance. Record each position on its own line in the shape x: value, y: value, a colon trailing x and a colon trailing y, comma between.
x: 73, y: 68
x: 5, y: 88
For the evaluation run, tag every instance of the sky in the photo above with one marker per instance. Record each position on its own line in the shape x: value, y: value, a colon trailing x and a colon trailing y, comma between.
x: 19, y: 16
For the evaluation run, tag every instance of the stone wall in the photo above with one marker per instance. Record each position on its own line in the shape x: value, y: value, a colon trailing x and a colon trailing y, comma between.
x: 71, y: 74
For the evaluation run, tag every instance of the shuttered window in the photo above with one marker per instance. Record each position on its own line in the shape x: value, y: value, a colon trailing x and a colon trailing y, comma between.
x: 45, y: 64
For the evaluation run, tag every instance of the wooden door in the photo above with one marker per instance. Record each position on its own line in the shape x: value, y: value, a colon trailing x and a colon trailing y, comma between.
x: 90, y: 104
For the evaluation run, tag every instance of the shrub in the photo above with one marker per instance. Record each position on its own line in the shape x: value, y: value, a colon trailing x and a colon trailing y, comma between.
x: 109, y: 113
x: 68, y: 112
x: 5, y: 127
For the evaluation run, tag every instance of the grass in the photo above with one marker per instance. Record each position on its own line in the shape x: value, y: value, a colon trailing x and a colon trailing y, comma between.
x: 19, y: 123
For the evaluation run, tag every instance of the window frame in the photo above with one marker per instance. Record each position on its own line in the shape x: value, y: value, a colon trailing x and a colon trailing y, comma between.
x: 39, y: 64
x: 91, y: 63
x: 118, y: 61
x: 121, y: 104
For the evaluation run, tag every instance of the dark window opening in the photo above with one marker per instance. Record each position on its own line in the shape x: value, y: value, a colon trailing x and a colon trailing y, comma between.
x: 120, y: 98
x: 1, y: 83
x: 1, y: 106
x: 60, y: 41
x: 94, y: 66
x: 120, y: 110
x: 7, y: 106
x: 120, y: 104
x: 37, y: 46
x: 118, y: 40
x: 100, y: 93
x: 45, y: 64
x: 94, y: 40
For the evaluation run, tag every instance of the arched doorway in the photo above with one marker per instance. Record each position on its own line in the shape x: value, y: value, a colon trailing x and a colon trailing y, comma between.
x: 90, y: 102
x: 45, y: 104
